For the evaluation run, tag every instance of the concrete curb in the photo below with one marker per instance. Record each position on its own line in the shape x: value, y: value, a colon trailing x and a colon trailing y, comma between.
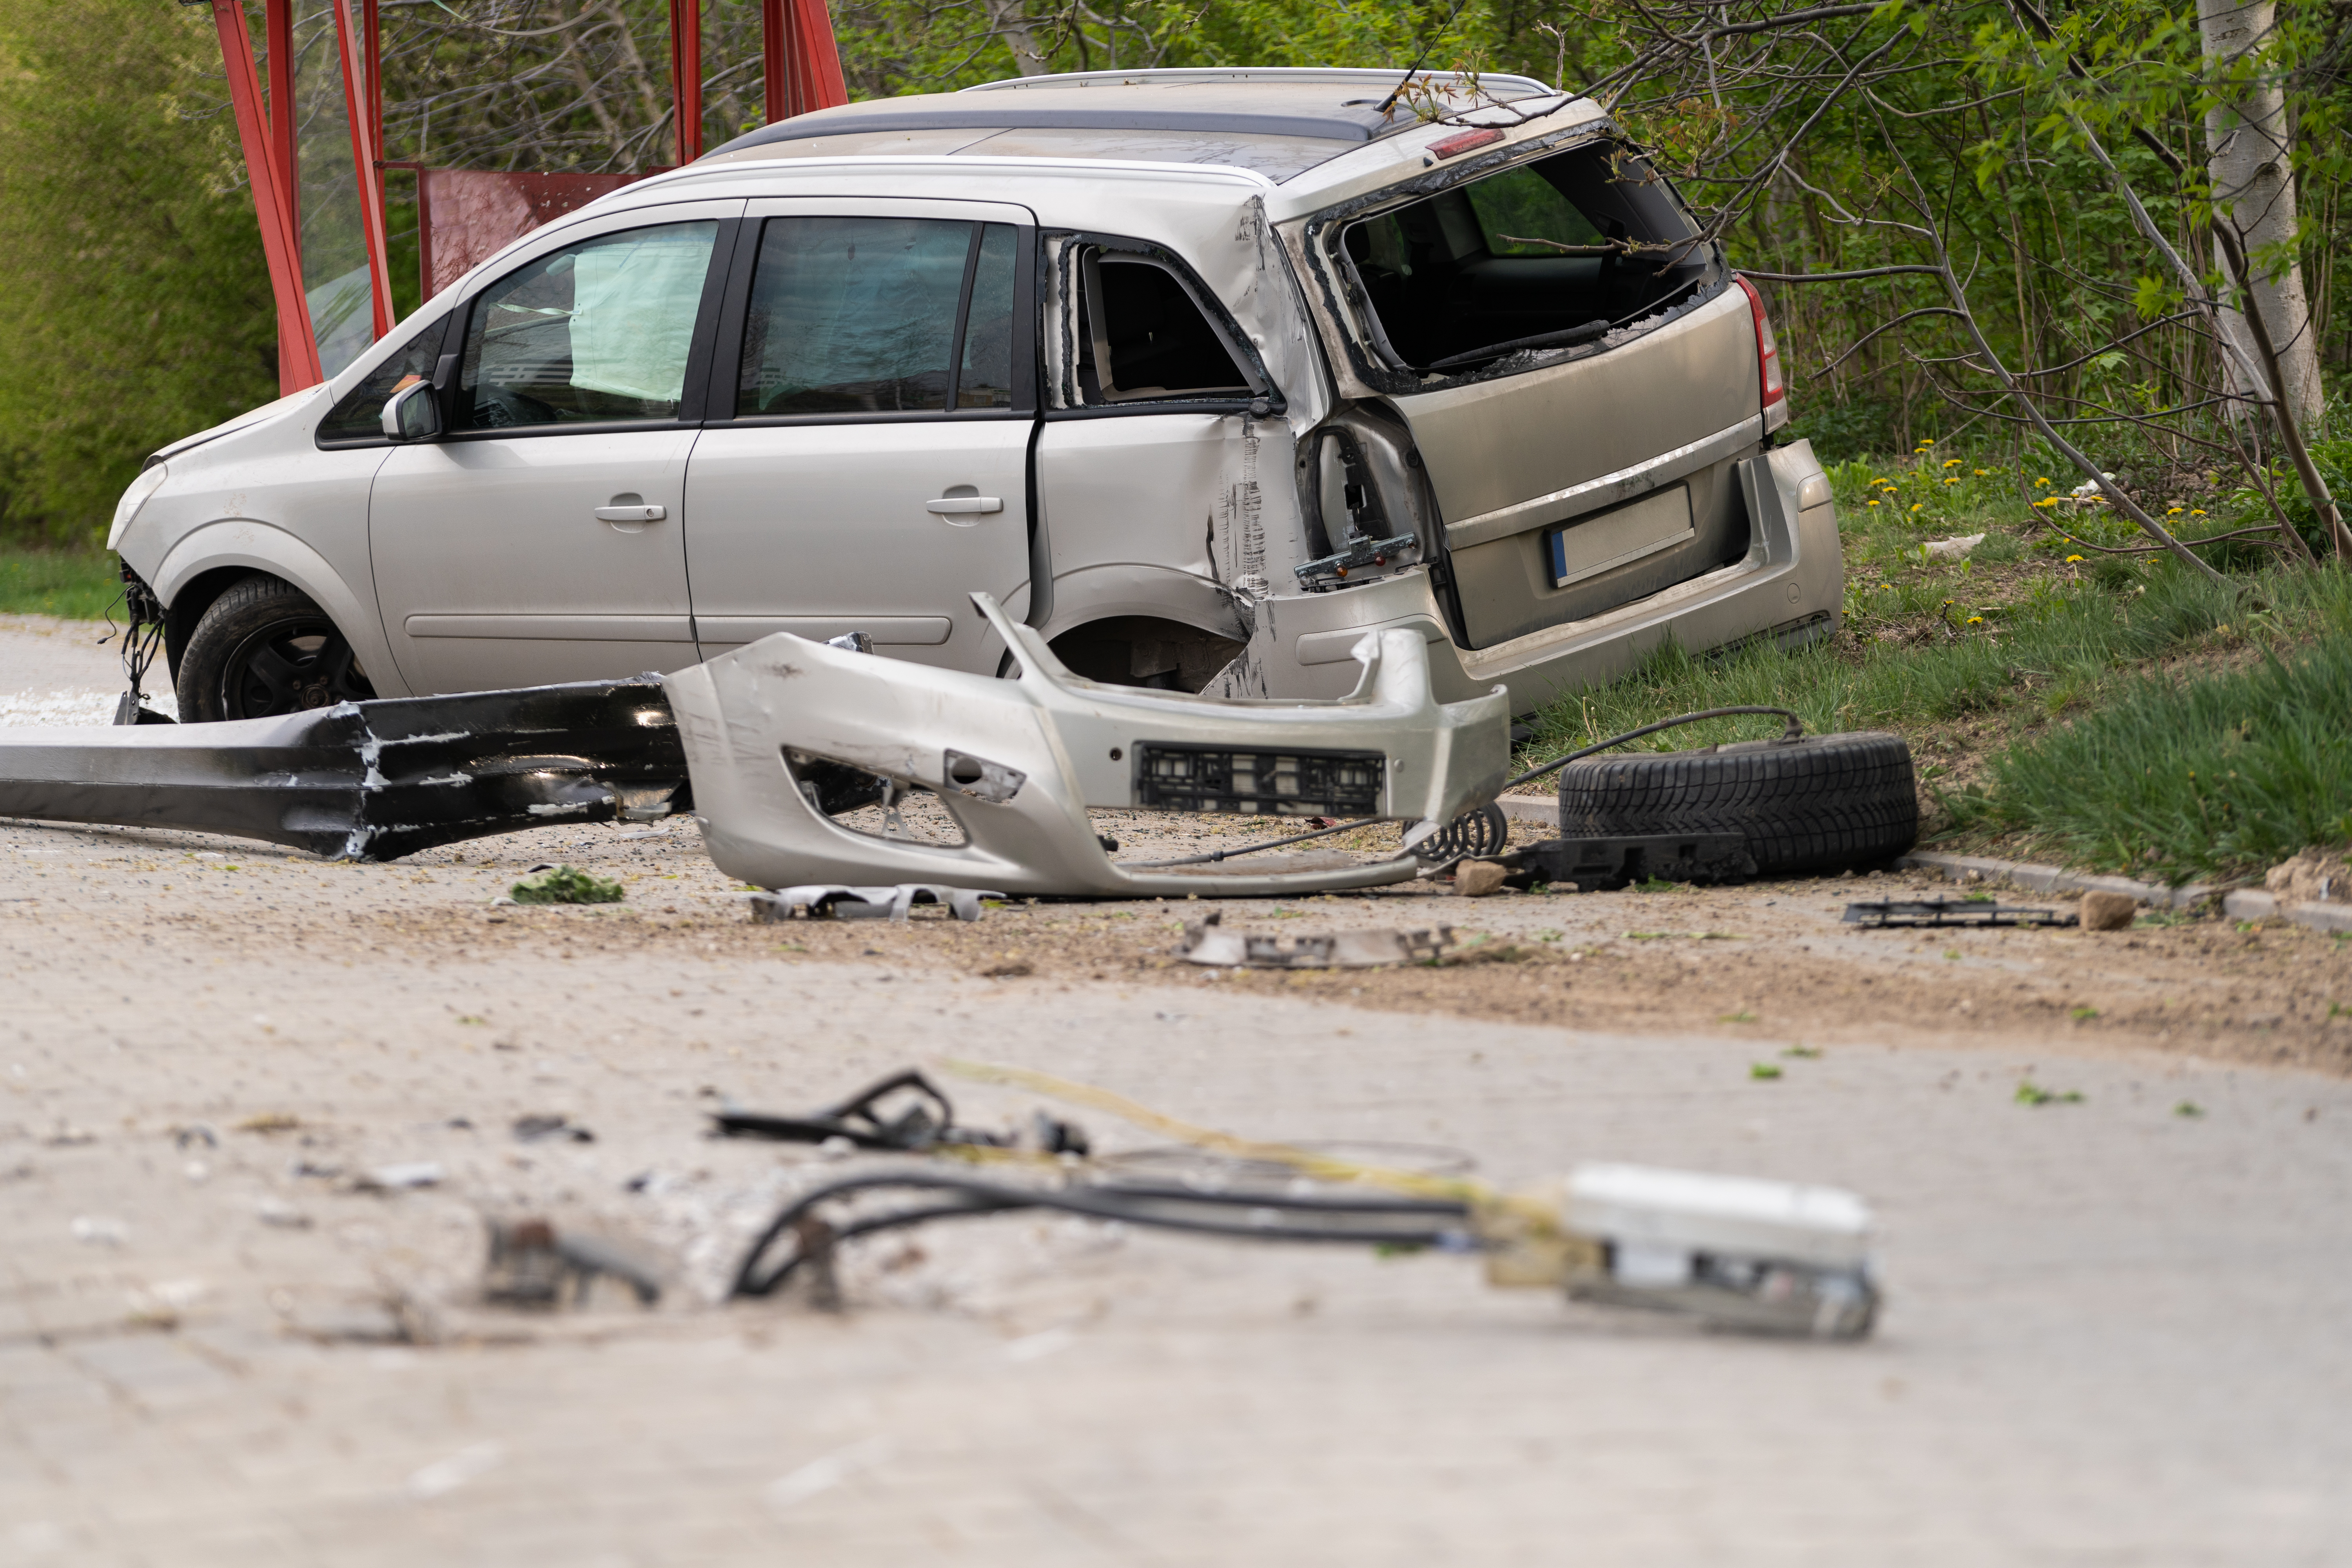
x: 1537, y: 810
x: 2244, y: 903
x: 2054, y: 879
x: 2254, y: 904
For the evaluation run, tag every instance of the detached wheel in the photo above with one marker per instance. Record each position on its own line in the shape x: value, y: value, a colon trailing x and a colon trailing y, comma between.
x: 1825, y: 802
x: 263, y: 649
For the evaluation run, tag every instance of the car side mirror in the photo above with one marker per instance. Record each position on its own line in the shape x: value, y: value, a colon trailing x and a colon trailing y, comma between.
x: 413, y: 414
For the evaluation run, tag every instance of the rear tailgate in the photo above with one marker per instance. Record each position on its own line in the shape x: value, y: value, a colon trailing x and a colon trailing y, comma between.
x: 1513, y: 458
x: 1575, y: 362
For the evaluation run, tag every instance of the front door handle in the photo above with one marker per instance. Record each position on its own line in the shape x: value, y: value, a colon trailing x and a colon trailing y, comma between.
x: 963, y: 506
x: 639, y: 513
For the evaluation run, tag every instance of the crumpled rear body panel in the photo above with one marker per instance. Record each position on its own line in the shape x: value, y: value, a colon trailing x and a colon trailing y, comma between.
x: 1018, y: 761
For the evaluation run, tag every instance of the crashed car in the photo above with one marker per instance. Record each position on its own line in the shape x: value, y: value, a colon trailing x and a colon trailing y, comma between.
x: 1202, y: 374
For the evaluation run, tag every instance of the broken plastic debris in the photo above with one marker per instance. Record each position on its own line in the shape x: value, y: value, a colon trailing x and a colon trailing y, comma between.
x: 1018, y: 763
x: 98, y: 1230
x: 820, y: 899
x: 1768, y: 1257
x: 1952, y: 549
x: 1210, y: 943
x: 1951, y: 913
x: 531, y: 1264
x: 396, y: 1177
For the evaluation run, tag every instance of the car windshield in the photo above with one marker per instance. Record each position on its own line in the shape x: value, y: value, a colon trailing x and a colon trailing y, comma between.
x: 1540, y: 256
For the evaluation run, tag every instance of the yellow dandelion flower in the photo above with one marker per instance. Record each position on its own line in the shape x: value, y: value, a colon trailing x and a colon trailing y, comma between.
x: 1870, y: 503
x: 2172, y: 512
x: 1920, y: 506
x: 1952, y: 463
x: 1927, y: 440
x: 1952, y: 481
x: 2072, y: 558
x: 1976, y: 620
x: 1983, y: 472
x: 2042, y: 481
x: 2196, y: 512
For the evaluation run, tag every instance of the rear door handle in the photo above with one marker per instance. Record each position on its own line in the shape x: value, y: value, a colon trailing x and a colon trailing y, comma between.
x: 640, y: 513
x: 960, y: 506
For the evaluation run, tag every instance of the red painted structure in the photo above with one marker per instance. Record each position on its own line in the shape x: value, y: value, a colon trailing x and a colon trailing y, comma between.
x: 463, y: 214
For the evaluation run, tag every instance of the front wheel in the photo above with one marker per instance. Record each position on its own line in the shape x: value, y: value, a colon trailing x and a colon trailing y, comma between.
x: 265, y: 649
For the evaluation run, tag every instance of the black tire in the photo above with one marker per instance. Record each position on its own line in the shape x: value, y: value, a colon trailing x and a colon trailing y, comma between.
x: 264, y: 649
x: 1825, y: 802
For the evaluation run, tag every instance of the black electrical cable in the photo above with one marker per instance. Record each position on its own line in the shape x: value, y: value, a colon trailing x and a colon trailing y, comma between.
x: 1440, y: 1222
x: 1795, y: 731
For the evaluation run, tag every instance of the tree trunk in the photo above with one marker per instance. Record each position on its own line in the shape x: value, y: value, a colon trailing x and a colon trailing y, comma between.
x: 2248, y: 149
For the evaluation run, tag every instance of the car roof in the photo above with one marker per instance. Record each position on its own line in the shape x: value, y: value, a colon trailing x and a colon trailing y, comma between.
x: 1279, y: 123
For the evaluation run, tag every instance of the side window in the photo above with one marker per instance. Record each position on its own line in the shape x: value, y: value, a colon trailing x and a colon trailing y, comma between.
x: 1144, y: 337
x: 860, y: 315
x: 359, y: 415
x: 596, y: 332
x: 986, y: 377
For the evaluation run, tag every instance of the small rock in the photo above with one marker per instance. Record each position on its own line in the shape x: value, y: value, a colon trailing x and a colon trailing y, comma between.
x: 2108, y: 911
x: 1476, y: 879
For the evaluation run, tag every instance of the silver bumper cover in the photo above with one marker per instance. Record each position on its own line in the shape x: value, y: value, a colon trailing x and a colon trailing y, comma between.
x: 1017, y: 763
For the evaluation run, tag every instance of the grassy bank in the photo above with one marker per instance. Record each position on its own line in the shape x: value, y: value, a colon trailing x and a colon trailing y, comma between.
x: 2120, y: 712
x: 77, y: 585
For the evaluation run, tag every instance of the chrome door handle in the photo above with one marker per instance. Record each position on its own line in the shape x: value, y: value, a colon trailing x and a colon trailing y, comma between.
x: 959, y: 506
x: 631, y: 514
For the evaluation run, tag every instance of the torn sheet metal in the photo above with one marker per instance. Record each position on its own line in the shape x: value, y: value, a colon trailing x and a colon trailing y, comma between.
x: 366, y: 781
x: 1210, y: 943
x: 820, y: 900
x: 1017, y: 763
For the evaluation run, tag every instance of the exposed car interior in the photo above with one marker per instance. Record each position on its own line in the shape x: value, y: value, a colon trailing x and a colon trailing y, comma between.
x: 1145, y: 337
x: 1541, y: 256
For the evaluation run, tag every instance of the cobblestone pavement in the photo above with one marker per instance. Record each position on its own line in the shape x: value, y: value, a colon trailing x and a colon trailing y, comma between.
x: 2114, y: 1330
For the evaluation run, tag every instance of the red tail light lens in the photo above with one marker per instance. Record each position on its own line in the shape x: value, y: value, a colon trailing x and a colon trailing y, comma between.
x: 1767, y: 349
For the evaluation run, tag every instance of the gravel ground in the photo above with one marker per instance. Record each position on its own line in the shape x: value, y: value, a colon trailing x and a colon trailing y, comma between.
x: 2112, y: 1331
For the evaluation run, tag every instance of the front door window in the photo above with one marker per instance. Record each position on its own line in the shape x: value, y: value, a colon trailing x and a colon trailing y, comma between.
x: 597, y: 332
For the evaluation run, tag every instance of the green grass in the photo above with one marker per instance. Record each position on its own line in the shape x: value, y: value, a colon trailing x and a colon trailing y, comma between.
x: 2220, y: 776
x: 76, y: 584
x: 2031, y: 679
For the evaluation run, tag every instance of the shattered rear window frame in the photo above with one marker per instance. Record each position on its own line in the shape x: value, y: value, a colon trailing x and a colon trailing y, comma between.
x: 1358, y: 330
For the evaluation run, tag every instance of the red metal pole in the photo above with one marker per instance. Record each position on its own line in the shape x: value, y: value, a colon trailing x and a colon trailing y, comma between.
x: 818, y: 83
x: 277, y: 33
x: 686, y: 75
x: 775, y: 60
x: 273, y: 204
x: 801, y: 60
x: 357, y: 91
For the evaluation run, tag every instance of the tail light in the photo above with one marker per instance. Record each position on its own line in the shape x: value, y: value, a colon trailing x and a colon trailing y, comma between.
x: 1775, y: 390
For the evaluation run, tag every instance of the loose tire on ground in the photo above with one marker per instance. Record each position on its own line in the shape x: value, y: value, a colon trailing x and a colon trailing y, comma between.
x: 1823, y: 802
x: 264, y: 649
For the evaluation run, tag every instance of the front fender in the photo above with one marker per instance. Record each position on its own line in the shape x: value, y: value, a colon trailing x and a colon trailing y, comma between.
x: 265, y: 547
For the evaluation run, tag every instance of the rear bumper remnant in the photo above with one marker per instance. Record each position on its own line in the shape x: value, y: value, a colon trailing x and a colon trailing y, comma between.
x: 1017, y: 763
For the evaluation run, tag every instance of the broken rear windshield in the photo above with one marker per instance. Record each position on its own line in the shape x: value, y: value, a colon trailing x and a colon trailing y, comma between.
x: 1501, y: 272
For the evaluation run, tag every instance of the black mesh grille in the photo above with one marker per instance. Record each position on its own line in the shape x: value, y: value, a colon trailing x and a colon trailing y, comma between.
x: 1281, y: 784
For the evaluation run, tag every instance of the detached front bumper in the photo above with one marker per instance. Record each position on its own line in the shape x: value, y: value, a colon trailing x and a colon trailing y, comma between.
x: 1017, y: 764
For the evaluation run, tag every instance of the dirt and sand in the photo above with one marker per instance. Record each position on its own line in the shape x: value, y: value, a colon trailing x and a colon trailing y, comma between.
x: 2112, y: 1331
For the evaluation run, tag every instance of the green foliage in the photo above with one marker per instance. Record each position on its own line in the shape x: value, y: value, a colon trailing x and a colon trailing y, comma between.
x: 564, y: 885
x: 2219, y: 775
x: 77, y: 583
x: 132, y: 294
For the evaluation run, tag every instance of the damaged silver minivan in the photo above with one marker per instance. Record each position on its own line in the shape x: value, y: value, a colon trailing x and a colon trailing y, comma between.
x: 1201, y: 374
